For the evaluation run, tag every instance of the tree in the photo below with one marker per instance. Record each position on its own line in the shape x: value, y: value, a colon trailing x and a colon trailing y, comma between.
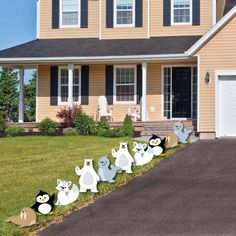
x: 30, y: 98
x: 8, y: 93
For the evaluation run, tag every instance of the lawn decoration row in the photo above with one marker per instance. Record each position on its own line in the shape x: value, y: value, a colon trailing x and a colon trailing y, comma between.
x: 69, y: 192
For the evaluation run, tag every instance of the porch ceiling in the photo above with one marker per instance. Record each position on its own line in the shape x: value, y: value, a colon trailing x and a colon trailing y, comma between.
x: 93, y: 49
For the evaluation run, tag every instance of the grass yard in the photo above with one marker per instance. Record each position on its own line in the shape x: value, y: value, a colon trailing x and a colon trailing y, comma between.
x: 29, y: 164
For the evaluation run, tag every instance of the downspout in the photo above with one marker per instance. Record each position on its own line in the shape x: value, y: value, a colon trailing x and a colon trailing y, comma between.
x: 100, y: 19
x: 213, y: 12
x: 148, y: 19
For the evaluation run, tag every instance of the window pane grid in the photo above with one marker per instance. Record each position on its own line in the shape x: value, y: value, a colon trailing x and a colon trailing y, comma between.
x: 70, y: 12
x: 64, y: 86
x: 181, y: 11
x: 167, y: 93
x: 125, y: 84
x: 124, y: 12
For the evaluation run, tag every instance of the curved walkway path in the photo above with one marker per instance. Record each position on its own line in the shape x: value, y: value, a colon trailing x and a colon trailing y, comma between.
x: 191, y: 193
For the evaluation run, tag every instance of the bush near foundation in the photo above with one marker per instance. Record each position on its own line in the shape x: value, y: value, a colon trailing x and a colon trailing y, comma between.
x: 48, y: 126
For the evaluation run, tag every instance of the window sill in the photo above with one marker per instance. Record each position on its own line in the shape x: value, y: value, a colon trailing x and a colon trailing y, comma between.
x: 69, y: 27
x: 124, y: 26
x: 182, y: 24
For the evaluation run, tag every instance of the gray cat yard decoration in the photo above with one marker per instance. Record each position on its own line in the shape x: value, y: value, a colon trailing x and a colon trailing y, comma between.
x: 104, y: 172
x: 181, y: 132
x: 123, y: 158
x: 88, y: 177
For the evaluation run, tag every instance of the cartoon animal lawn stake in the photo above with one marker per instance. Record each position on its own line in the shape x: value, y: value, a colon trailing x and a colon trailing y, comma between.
x: 157, y: 145
x: 142, y: 156
x: 123, y: 158
x: 88, y: 177
x: 44, y: 203
x: 171, y: 140
x: 26, y: 218
x: 181, y: 132
x: 66, y: 195
x: 104, y: 172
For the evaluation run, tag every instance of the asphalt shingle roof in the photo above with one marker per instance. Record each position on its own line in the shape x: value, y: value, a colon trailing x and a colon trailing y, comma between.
x: 94, y: 47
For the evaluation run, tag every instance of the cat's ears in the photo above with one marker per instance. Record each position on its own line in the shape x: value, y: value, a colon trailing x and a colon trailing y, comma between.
x: 134, y: 144
x: 58, y: 181
x: 144, y: 145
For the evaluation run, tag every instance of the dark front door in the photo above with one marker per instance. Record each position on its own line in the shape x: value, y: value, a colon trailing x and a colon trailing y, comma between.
x: 181, y: 92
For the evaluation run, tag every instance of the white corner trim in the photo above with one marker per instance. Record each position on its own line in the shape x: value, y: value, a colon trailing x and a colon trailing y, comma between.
x: 38, y: 20
x: 100, y: 19
x: 37, y: 95
x: 198, y: 93
x: 214, y: 6
x: 148, y: 19
x: 220, y: 24
x: 219, y: 73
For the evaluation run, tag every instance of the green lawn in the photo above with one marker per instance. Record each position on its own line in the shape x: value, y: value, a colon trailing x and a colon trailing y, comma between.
x: 29, y: 164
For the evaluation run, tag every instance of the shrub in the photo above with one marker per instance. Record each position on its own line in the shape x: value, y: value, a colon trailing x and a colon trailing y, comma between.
x: 128, y: 126
x: 14, y: 130
x: 48, y: 126
x: 85, y: 124
x: 120, y: 133
x: 70, y: 131
x: 3, y: 125
x: 67, y: 115
x: 102, y: 125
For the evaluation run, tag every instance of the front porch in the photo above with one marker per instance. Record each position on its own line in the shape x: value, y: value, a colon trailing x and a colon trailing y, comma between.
x: 159, y: 90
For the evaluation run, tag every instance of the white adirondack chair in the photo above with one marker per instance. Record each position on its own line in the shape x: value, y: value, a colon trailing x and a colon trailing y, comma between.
x: 102, y: 109
x: 134, y: 113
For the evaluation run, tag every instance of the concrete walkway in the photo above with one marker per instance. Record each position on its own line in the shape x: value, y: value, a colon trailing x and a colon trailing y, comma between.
x: 191, y: 193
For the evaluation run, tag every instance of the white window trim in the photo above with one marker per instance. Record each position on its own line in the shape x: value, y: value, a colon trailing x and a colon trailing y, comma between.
x: 181, y: 23
x: 79, y: 17
x: 135, y: 85
x: 115, y: 17
x: 162, y: 91
x: 59, y: 86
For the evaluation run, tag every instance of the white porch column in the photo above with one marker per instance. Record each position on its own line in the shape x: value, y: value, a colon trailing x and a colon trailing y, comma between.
x: 21, y: 97
x: 144, y: 92
x: 70, y: 84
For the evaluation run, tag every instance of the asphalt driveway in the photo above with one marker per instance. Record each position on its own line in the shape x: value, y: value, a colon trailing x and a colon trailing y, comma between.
x: 191, y: 193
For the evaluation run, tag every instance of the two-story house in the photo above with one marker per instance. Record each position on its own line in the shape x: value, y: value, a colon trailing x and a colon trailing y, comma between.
x: 175, y: 59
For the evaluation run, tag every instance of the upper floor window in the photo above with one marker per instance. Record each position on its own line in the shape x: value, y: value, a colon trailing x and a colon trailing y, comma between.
x: 124, y: 12
x: 69, y: 13
x: 181, y: 12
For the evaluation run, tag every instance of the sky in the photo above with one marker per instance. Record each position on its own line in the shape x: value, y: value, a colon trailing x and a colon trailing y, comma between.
x: 17, y: 23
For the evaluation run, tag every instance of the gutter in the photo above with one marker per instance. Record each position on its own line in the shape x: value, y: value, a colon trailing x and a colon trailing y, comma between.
x: 100, y: 59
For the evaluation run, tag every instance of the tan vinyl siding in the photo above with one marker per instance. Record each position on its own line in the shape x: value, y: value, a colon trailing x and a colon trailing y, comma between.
x: 156, y: 23
x: 218, y: 54
x: 157, y: 28
x: 220, y: 6
x: 97, y: 88
x: 124, y: 32
x: 46, y: 30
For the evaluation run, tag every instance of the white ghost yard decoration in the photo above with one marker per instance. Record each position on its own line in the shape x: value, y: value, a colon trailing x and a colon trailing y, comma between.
x: 123, y: 158
x: 88, y: 177
x: 66, y: 195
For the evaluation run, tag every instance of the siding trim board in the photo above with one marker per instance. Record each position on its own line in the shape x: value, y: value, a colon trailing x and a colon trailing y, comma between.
x: 212, y: 32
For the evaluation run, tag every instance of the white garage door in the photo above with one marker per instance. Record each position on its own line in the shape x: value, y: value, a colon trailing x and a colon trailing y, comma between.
x: 227, y: 106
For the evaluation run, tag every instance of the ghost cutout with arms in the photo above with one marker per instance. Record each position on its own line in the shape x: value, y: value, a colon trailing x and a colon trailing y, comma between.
x: 88, y: 177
